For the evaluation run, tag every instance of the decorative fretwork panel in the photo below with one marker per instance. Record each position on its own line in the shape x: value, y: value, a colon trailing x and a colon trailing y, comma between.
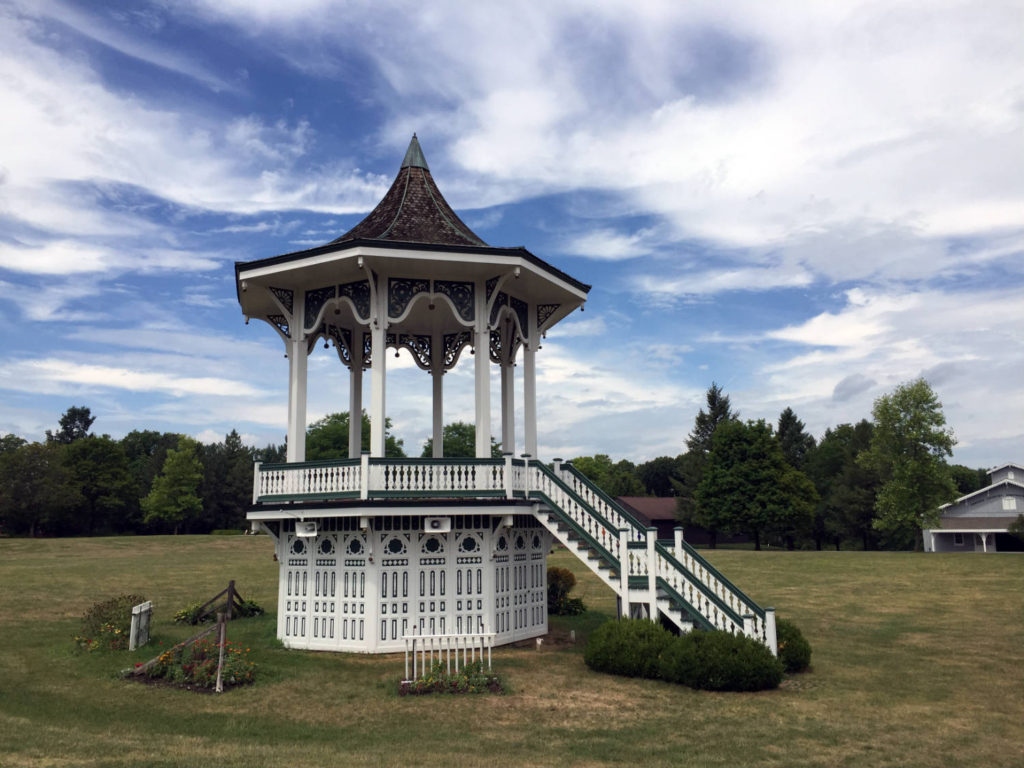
x: 461, y: 295
x: 359, y: 293
x: 401, y: 291
x: 315, y: 300
x: 286, y: 298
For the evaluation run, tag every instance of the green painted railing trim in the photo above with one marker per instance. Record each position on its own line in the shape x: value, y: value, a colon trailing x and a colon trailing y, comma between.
x: 636, y: 545
x: 691, y: 609
x: 602, y: 553
x: 311, y: 464
x: 378, y: 461
x: 718, y: 575
x: 575, y: 496
x: 701, y: 587
x: 310, y: 496
x: 386, y: 494
x: 604, y: 496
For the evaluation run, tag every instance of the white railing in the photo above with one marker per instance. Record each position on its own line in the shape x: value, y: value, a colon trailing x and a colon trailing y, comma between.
x: 367, y: 477
x: 454, y: 651
x: 307, y: 479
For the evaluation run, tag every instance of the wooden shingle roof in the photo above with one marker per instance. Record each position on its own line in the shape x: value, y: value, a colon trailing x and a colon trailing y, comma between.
x: 413, y: 210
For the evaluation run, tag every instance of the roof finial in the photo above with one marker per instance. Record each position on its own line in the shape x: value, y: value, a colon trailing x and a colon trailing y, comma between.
x: 414, y: 156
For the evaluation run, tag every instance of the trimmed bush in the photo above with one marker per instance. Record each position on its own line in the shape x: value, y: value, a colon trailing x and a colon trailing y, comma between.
x: 719, y: 661
x: 794, y: 650
x: 560, y: 584
x: 630, y: 647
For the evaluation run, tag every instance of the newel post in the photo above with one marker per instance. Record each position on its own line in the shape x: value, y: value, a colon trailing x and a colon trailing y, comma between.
x: 364, y: 475
x: 255, y: 482
x: 652, y: 574
x: 678, y: 535
x: 508, y: 475
x: 624, y: 573
x: 769, y: 631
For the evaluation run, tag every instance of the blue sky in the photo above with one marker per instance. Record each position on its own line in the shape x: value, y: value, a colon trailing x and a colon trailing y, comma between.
x: 808, y: 203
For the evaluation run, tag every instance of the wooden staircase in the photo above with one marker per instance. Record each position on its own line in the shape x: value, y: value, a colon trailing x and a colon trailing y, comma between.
x: 651, y: 578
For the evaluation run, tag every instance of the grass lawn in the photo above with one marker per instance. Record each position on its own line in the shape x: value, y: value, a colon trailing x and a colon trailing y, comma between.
x: 918, y: 661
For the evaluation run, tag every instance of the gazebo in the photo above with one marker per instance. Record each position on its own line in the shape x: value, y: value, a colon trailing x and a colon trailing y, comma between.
x: 374, y: 549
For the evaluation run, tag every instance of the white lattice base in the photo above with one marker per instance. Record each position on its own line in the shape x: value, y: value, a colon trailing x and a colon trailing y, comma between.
x: 350, y: 588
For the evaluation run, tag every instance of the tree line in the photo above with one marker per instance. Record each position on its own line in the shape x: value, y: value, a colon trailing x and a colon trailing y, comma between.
x: 873, y: 484
x: 76, y: 483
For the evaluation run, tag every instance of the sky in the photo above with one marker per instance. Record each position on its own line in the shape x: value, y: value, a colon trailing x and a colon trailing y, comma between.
x: 808, y: 203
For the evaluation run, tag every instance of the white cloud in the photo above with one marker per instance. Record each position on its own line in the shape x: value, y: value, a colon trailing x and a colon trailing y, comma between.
x: 55, y: 375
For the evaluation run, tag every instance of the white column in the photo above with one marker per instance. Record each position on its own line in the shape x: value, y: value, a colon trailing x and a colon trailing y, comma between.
x: 482, y: 346
x: 508, y: 407
x: 437, y: 378
x: 355, y: 395
x: 530, y: 397
x: 378, y: 356
x: 297, y: 356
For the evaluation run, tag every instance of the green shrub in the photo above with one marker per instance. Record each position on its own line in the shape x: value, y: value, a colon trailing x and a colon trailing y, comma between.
x: 794, y: 650
x: 248, y: 608
x: 630, y: 647
x: 108, y: 623
x: 719, y: 661
x: 560, y: 584
x: 190, y: 614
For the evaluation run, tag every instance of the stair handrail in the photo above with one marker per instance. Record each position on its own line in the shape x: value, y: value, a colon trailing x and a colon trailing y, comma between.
x: 599, y: 518
x: 733, y: 615
x: 714, y: 572
x: 638, y: 530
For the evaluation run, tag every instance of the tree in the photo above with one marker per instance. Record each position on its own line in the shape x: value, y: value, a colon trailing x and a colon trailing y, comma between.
x: 796, y: 443
x: 706, y: 423
x: 227, y: 482
x: 328, y: 438
x: 11, y: 442
x: 615, y: 479
x: 847, y: 488
x: 36, y: 490
x: 749, y: 487
x: 458, y: 439
x: 174, y: 498
x: 691, y: 464
x: 908, y: 450
x: 100, y: 469
x: 968, y: 480
x: 74, y: 425
x: 657, y: 475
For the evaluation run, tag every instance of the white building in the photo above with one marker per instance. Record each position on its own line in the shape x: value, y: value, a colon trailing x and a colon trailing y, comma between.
x: 979, y: 521
x: 372, y: 548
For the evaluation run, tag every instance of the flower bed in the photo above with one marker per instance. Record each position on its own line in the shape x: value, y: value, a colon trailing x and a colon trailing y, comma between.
x: 195, y: 665
x: 469, y: 679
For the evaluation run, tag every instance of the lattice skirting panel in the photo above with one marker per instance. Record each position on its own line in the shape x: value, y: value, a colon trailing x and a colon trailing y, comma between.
x: 352, y: 589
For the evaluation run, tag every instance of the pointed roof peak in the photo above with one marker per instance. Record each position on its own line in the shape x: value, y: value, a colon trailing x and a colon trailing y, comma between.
x: 414, y: 156
x: 413, y: 210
